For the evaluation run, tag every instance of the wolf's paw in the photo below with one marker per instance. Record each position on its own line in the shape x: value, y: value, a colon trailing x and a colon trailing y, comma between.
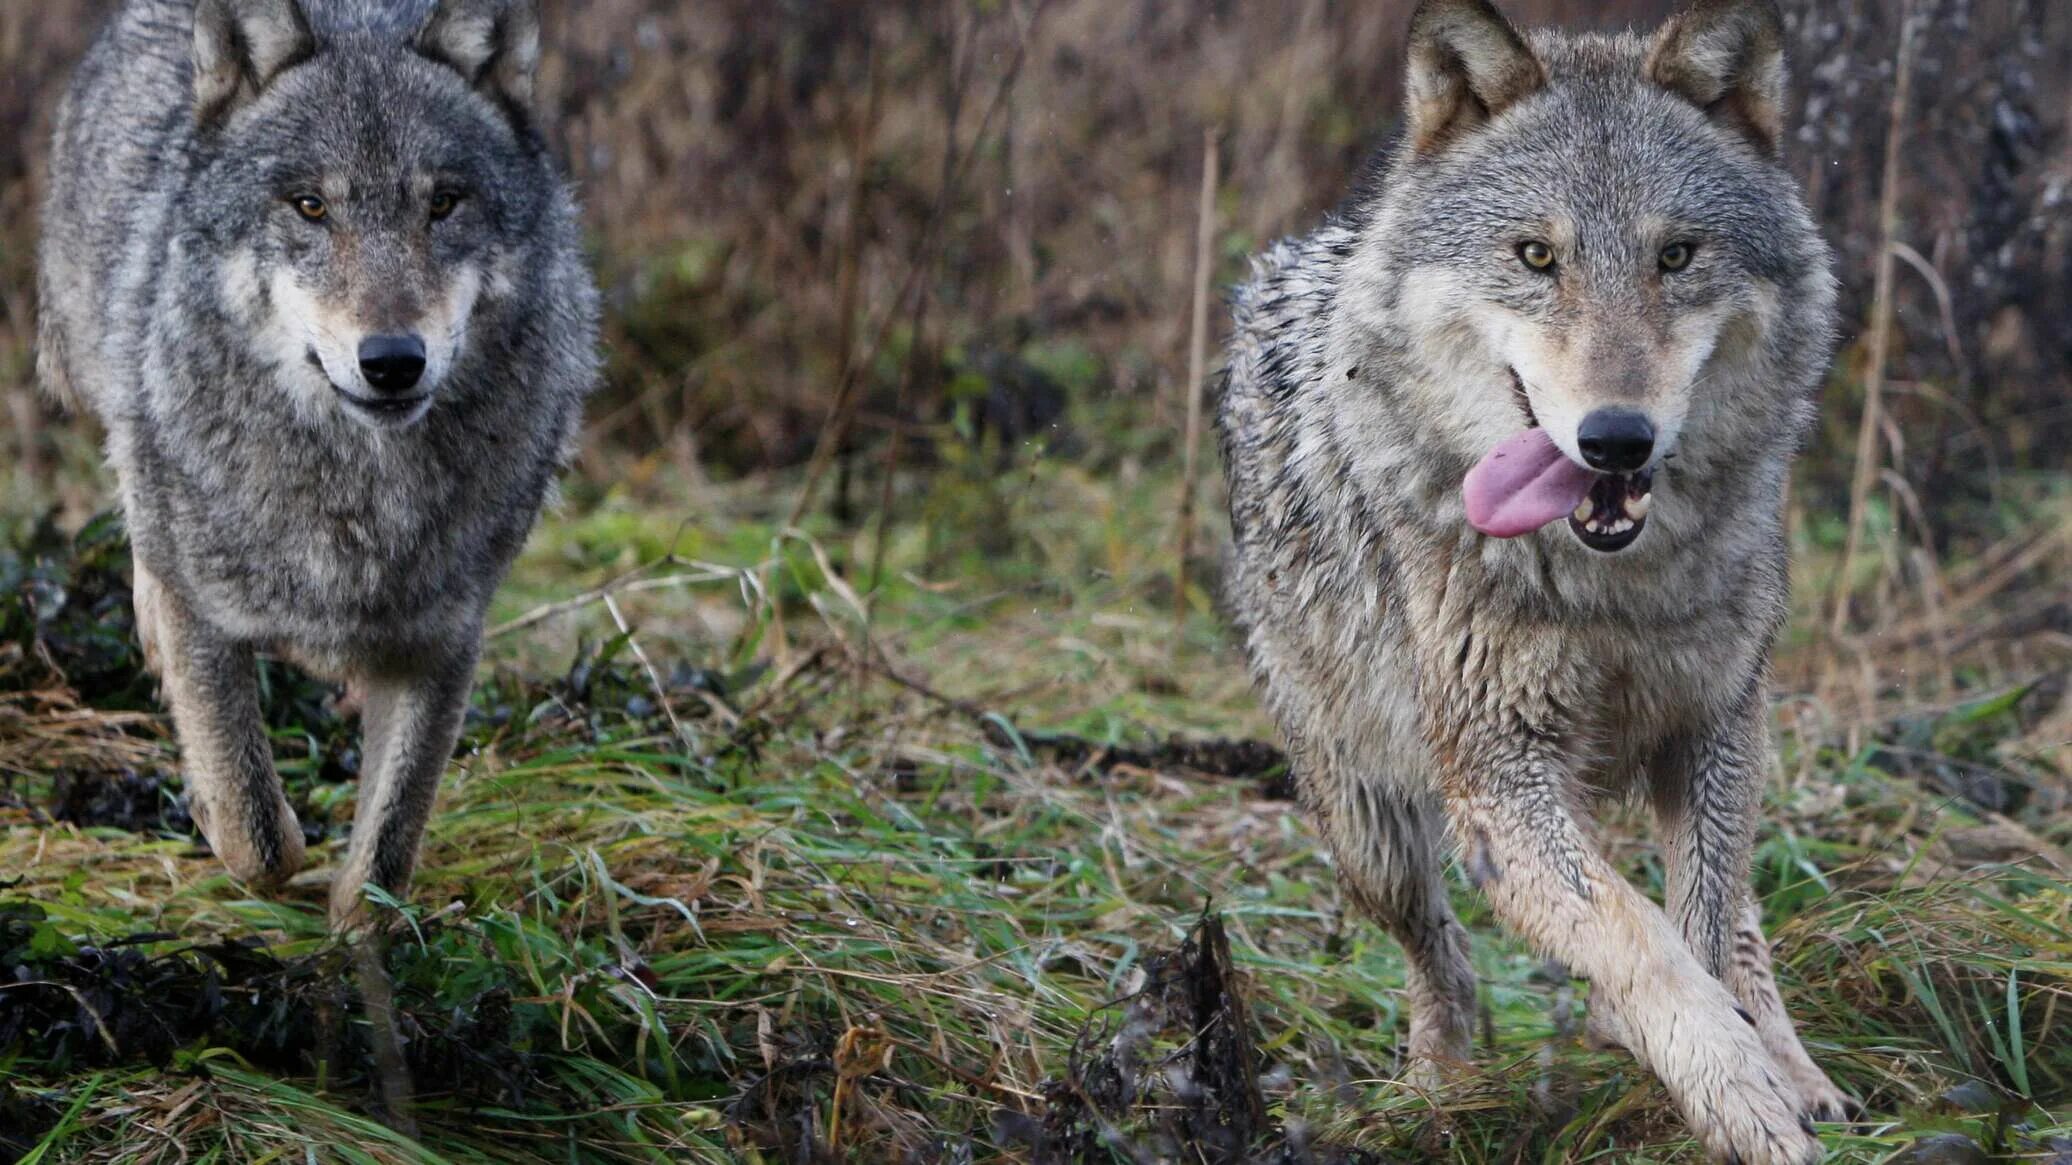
x: 1432, y: 1071
x: 1821, y: 1101
x: 352, y: 911
x: 263, y: 848
x: 1441, y: 1048
x: 349, y: 912
x: 1602, y: 1031
x: 1742, y: 1105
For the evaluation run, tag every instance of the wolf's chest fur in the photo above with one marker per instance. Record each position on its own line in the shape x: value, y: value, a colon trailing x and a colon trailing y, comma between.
x: 332, y: 536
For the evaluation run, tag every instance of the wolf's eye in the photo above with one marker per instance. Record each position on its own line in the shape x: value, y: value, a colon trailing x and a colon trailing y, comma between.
x: 1536, y: 255
x: 1676, y: 256
x: 444, y: 203
x: 311, y: 207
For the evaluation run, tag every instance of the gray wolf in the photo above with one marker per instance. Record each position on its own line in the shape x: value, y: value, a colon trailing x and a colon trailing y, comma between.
x: 1507, y: 442
x: 313, y: 268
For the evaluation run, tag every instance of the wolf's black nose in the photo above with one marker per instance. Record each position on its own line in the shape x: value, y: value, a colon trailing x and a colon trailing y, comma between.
x: 1616, y: 440
x: 392, y: 364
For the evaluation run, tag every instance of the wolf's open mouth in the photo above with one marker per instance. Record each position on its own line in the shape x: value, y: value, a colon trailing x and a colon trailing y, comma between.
x: 1526, y: 482
x: 1610, y: 517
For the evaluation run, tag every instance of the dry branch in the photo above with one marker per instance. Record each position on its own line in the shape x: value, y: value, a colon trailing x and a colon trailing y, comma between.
x: 1197, y: 369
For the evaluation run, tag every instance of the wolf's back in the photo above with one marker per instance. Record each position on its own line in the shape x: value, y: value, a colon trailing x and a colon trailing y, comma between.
x: 1281, y: 318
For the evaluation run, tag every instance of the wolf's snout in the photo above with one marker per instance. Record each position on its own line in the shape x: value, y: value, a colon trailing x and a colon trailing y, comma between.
x: 1616, y: 440
x: 392, y: 364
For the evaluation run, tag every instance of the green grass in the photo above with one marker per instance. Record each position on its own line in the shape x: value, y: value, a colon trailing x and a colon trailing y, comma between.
x: 827, y: 915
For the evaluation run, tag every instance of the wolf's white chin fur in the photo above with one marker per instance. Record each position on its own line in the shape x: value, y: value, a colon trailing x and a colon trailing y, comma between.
x: 295, y: 324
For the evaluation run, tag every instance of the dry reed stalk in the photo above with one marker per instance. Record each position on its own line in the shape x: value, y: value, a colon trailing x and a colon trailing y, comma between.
x: 1197, y: 369
x: 25, y: 416
x: 1932, y: 598
x: 1867, y: 466
x: 1867, y: 451
x: 1945, y: 304
x: 24, y: 406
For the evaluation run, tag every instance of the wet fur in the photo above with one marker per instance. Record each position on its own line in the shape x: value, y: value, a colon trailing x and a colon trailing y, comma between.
x: 1431, y: 681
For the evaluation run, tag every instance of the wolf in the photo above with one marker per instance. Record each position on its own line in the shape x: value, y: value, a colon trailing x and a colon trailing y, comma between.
x: 316, y: 272
x: 1507, y: 441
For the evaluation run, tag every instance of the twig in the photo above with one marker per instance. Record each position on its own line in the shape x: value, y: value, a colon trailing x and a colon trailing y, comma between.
x: 683, y: 738
x: 877, y: 662
x: 631, y: 582
x: 1197, y: 367
x: 2003, y: 574
x: 889, y: 470
x: 1945, y: 305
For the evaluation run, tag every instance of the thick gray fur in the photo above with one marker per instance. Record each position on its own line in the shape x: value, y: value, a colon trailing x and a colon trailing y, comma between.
x: 1428, y: 677
x: 212, y: 327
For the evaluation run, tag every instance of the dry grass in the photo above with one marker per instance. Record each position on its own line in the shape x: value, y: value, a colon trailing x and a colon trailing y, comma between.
x: 855, y: 919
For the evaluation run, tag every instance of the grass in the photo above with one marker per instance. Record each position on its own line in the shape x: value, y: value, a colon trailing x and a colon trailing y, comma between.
x: 781, y: 873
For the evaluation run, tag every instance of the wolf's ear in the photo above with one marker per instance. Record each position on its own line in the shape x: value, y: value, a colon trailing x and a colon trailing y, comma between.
x: 1467, y: 64
x: 495, y: 44
x: 240, y: 46
x: 1727, y: 58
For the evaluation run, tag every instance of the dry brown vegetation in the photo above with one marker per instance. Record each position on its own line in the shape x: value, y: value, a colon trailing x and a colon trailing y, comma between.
x: 765, y: 179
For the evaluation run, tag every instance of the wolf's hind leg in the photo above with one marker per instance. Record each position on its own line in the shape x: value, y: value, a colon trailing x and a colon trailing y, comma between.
x: 1386, y: 840
x: 212, y: 684
x: 410, y: 724
x: 1706, y: 795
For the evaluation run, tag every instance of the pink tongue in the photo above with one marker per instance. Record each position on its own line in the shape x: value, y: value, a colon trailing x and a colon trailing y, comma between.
x: 1523, y: 484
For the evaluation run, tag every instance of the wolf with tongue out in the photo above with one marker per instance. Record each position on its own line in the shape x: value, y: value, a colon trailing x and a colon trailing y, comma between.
x: 1507, y: 442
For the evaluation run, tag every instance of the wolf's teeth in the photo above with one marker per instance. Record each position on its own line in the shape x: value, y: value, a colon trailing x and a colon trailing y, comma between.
x: 1583, y: 509
x: 1637, y: 508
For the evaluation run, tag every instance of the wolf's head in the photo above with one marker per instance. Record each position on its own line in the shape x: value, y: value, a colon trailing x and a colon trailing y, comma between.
x: 1596, y: 244
x: 370, y: 176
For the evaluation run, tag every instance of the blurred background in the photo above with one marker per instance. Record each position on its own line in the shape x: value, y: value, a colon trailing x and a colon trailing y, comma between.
x: 977, y: 220
x: 1012, y: 184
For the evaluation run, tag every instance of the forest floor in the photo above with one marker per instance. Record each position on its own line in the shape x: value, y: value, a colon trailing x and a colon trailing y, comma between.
x: 744, y: 858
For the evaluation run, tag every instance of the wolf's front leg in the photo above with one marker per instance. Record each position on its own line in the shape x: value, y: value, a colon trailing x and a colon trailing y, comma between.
x: 1387, y: 841
x: 211, y: 683
x: 411, y: 723
x: 1706, y: 793
x: 1509, y: 787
